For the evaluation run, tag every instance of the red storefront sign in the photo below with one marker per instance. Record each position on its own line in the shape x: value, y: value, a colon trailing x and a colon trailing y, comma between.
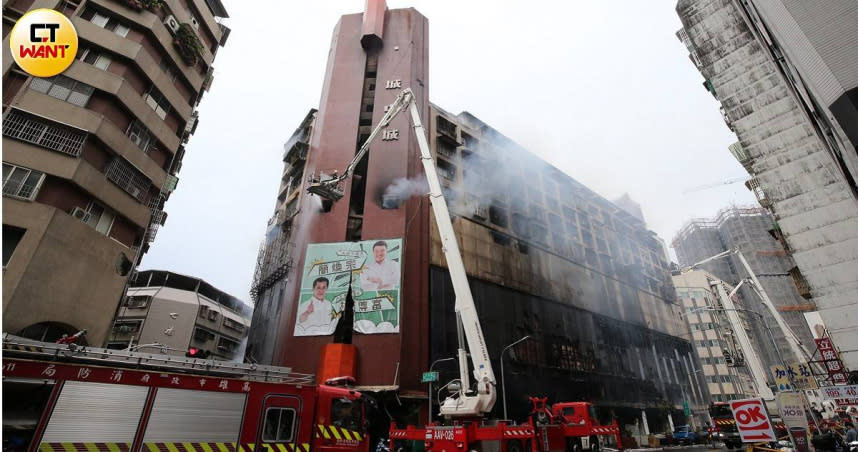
x: 752, y: 420
x: 832, y: 363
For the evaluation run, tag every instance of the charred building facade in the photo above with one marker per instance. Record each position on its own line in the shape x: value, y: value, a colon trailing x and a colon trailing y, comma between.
x: 545, y: 256
x: 90, y: 156
x: 786, y: 76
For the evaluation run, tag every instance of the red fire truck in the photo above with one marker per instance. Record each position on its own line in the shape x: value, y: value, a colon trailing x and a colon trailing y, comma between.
x: 63, y: 397
x: 724, y: 426
x: 567, y: 426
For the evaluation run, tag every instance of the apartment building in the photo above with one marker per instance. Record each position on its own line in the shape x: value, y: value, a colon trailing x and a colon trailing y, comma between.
x: 171, y: 313
x: 90, y: 156
x: 718, y: 354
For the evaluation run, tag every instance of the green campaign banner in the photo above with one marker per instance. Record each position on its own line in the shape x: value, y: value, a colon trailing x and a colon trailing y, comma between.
x: 371, y: 268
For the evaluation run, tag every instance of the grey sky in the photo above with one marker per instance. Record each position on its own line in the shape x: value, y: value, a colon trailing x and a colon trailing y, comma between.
x: 602, y: 90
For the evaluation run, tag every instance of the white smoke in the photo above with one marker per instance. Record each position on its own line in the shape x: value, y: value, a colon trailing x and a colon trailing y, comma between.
x: 401, y: 189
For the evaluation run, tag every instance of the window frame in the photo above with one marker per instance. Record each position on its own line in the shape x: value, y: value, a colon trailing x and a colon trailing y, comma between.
x: 17, y: 192
x: 277, y: 438
x: 55, y: 86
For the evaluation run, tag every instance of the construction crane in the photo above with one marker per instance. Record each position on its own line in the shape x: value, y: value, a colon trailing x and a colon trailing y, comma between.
x: 729, y: 181
x: 462, y: 402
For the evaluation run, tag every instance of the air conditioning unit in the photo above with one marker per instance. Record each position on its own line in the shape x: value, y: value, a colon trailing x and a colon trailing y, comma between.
x: 80, y: 214
x: 191, y: 125
x: 195, y: 23
x: 171, y: 23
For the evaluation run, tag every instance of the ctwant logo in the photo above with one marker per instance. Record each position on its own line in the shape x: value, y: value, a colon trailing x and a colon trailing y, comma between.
x: 43, y: 42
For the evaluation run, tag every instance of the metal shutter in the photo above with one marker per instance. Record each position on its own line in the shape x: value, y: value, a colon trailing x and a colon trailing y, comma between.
x: 183, y: 415
x: 96, y: 412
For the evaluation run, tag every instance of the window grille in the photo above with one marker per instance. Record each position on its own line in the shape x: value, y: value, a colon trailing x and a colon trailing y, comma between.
x: 22, y: 183
x: 138, y: 301
x: 64, y: 88
x: 232, y: 324
x: 226, y: 345
x: 44, y: 133
x: 140, y: 135
x: 128, y: 178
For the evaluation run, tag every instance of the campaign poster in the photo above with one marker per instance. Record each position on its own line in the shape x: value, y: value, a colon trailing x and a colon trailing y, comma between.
x: 371, y: 268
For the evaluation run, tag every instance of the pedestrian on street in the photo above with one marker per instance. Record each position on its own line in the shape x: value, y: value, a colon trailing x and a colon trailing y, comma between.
x: 851, y: 433
x: 828, y: 440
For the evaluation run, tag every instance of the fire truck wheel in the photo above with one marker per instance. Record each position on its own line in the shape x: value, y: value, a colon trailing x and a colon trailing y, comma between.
x: 573, y: 445
x: 514, y: 445
x: 594, y: 444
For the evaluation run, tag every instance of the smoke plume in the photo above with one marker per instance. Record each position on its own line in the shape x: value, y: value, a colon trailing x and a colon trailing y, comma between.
x: 401, y: 189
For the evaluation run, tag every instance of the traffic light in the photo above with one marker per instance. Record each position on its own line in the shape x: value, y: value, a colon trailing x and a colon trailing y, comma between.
x: 198, y: 353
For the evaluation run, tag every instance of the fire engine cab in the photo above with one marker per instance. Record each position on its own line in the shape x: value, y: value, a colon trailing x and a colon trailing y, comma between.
x: 62, y: 397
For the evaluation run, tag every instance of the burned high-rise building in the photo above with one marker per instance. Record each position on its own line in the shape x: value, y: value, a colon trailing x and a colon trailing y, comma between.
x: 545, y: 256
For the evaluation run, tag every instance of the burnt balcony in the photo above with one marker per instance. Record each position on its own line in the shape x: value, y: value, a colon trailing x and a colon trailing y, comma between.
x: 297, y: 146
x: 446, y: 129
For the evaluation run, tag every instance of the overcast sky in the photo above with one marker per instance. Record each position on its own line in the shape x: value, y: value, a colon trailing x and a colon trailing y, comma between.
x: 602, y: 90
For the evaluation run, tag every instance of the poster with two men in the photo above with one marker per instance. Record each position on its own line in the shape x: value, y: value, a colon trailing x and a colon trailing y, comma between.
x: 368, y: 271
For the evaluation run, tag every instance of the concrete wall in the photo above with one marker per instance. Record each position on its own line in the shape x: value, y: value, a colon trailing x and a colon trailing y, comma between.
x: 62, y: 271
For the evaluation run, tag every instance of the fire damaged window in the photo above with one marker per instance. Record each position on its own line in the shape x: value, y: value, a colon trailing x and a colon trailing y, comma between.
x: 519, y: 224
x: 446, y: 127
x: 501, y: 238
x: 469, y: 142
x: 497, y: 215
x: 538, y: 232
x: 446, y: 149
x: 556, y: 223
x: 572, y: 230
x: 446, y: 170
x: 279, y: 425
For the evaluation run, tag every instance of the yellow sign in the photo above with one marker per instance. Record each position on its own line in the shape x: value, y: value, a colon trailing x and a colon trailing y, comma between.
x: 43, y: 42
x: 794, y: 377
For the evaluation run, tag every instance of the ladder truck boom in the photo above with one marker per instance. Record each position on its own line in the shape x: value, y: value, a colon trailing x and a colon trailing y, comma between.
x: 463, y: 402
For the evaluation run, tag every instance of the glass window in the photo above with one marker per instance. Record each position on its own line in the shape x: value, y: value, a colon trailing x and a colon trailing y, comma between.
x: 21, y: 182
x: 121, y: 30
x: 346, y: 413
x: 279, y: 425
x: 100, y: 20
x: 100, y: 218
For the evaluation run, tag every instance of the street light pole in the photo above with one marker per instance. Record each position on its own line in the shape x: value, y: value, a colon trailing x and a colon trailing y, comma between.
x: 503, y: 380
x: 430, y: 383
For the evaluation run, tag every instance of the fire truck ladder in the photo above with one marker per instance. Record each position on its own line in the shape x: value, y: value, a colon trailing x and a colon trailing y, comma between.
x: 18, y: 347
